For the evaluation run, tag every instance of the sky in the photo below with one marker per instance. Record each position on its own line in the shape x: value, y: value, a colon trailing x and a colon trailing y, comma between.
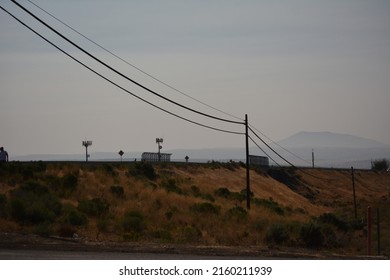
x: 291, y: 66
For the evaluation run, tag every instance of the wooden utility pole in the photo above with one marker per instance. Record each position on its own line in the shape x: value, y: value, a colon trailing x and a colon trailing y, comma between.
x: 378, y: 230
x: 369, y: 223
x: 354, y: 194
x: 248, y: 188
x: 312, y: 157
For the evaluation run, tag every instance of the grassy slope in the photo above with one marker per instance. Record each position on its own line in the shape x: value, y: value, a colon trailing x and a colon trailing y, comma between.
x: 201, y: 204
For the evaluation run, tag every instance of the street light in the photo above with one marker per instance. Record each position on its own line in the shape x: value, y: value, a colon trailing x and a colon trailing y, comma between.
x: 86, y: 144
x: 158, y: 142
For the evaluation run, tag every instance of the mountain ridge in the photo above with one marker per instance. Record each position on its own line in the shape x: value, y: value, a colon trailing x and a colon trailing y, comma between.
x: 327, y: 139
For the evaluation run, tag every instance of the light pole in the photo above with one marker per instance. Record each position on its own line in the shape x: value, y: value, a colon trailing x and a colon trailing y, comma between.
x: 86, y: 144
x: 158, y: 142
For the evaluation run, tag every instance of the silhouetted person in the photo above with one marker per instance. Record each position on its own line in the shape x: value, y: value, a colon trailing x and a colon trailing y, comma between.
x: 3, y: 155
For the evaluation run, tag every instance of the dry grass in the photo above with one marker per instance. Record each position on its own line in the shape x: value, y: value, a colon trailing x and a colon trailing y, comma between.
x: 166, y: 204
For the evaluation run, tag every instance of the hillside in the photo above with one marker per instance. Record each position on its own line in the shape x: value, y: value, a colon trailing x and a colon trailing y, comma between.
x: 198, y: 204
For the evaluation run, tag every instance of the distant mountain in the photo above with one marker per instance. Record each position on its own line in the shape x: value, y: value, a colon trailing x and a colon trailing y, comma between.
x: 333, y: 149
x: 327, y: 139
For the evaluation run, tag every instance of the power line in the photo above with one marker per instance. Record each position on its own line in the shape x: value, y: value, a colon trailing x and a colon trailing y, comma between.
x: 140, y: 85
x: 265, y: 143
x: 292, y: 165
x: 277, y: 144
x: 110, y: 81
x: 158, y: 80
x: 264, y: 152
x: 118, y: 72
x: 130, y: 64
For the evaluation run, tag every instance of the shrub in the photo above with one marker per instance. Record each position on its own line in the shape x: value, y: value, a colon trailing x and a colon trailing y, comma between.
x: 118, y: 191
x: 226, y: 193
x: 332, y: 219
x: 237, y: 213
x: 195, y: 191
x: 133, y: 221
x: 205, y: 208
x: 269, y: 204
x: 260, y: 225
x: 223, y: 192
x: 380, y: 165
x: 70, y: 181
x: 190, y: 234
x: 278, y: 234
x: 94, y: 207
x: 33, y: 203
x: 43, y: 229
x: 62, y: 186
x: 285, y: 176
x: 76, y: 218
x: 109, y: 170
x: 312, y: 235
x: 103, y: 225
x: 143, y: 169
x: 3, y: 203
x: 171, y: 186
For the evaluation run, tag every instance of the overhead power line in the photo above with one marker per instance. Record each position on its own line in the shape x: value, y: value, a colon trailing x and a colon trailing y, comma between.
x: 110, y: 81
x: 159, y: 80
x: 277, y: 144
x: 265, y: 143
x: 264, y: 151
x: 130, y: 64
x: 118, y: 72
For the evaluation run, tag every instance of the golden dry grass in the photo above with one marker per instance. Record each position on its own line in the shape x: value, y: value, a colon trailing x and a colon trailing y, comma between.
x: 169, y: 214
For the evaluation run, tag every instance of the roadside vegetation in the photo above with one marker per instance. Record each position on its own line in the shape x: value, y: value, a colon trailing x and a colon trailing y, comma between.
x: 201, y: 204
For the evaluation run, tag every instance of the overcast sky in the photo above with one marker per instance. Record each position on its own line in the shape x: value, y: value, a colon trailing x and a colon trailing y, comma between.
x: 294, y: 65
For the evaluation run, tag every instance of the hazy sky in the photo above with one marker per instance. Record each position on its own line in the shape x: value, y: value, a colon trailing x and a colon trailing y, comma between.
x: 290, y: 65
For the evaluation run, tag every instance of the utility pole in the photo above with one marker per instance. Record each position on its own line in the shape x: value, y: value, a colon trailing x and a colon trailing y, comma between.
x: 248, y: 188
x: 312, y: 157
x: 353, y: 189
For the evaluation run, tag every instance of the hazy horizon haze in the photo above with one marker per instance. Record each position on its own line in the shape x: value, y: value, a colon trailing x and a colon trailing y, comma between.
x: 290, y: 65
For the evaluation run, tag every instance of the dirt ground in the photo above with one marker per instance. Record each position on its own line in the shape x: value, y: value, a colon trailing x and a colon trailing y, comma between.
x: 14, y: 241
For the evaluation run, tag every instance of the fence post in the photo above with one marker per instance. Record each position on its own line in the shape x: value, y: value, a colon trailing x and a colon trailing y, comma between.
x: 354, y: 194
x: 369, y: 222
x: 378, y: 230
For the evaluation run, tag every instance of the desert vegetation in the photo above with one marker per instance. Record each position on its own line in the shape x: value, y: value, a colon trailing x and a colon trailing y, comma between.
x: 200, y: 204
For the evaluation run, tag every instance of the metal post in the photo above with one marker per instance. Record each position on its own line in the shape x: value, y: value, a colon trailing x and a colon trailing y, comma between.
x: 248, y: 188
x: 369, y: 223
x: 354, y: 194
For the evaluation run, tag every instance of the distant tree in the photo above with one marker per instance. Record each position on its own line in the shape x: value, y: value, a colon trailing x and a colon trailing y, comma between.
x: 380, y: 165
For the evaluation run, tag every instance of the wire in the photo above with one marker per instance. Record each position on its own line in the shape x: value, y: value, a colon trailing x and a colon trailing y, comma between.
x: 264, y: 151
x: 110, y: 81
x: 277, y: 144
x: 158, y: 80
x: 271, y: 148
x: 130, y: 64
x: 296, y: 168
x: 118, y: 72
